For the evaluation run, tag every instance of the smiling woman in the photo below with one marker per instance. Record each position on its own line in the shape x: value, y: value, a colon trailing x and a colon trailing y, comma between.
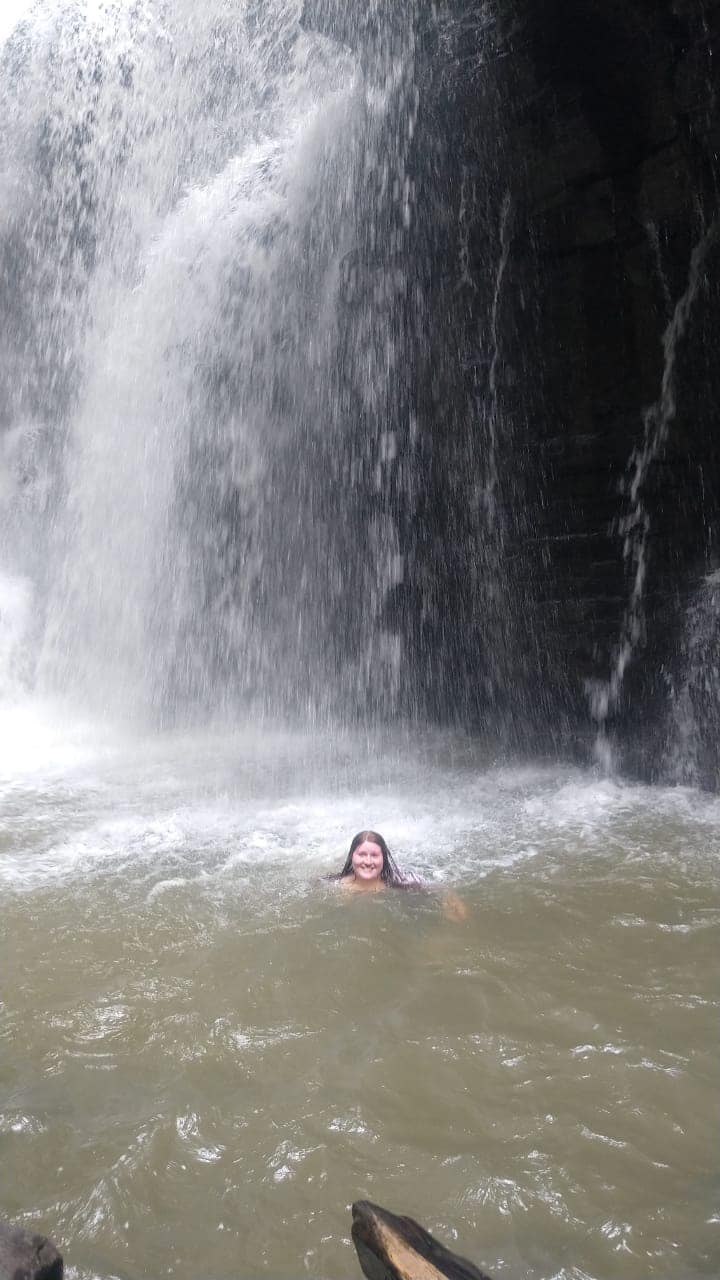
x: 371, y: 868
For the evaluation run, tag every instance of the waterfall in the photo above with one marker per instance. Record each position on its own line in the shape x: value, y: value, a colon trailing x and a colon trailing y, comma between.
x: 634, y: 525
x: 492, y: 585
x: 15, y: 599
x: 493, y: 415
x: 199, y: 395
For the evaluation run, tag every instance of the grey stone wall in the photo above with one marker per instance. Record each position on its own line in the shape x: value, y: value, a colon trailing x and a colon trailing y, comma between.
x: 565, y: 229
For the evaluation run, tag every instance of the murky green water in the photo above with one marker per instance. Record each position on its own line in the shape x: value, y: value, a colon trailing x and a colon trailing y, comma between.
x: 207, y: 1053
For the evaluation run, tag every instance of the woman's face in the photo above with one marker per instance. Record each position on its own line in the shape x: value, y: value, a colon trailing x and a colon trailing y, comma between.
x: 367, y: 861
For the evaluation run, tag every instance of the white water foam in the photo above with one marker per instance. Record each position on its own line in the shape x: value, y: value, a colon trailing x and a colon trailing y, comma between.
x: 212, y: 810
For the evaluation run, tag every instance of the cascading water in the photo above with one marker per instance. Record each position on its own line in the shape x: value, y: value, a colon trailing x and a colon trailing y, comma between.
x: 634, y: 526
x: 195, y: 441
x: 15, y: 594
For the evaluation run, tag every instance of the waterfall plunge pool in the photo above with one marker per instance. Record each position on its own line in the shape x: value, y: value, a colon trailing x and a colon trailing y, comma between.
x: 207, y: 1054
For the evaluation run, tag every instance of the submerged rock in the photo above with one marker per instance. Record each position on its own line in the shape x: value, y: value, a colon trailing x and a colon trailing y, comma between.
x: 25, y: 1255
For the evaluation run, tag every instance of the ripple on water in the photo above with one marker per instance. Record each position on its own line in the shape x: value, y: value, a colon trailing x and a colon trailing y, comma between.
x: 19, y: 1123
x: 209, y: 1034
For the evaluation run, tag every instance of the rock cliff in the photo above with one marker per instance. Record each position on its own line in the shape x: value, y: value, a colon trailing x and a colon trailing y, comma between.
x: 563, y: 283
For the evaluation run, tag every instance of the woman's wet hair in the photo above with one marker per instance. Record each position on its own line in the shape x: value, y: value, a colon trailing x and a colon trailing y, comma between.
x: 390, y: 873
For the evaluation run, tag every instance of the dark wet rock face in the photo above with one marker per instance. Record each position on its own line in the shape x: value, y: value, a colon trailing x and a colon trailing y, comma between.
x: 567, y: 385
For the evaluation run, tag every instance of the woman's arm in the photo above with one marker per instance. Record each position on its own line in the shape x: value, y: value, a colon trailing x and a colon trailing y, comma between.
x: 454, y: 908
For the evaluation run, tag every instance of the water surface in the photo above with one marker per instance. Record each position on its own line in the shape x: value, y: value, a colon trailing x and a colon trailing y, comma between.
x: 207, y: 1053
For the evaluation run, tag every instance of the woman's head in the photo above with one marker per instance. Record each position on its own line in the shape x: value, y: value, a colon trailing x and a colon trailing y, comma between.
x: 370, y: 859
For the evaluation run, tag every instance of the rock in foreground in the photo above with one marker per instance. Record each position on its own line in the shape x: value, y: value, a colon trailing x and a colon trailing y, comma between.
x: 395, y: 1248
x: 27, y: 1256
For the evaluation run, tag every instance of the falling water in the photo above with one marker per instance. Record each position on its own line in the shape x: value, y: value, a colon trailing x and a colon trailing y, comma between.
x: 504, y: 238
x: 492, y: 586
x: 187, y: 463
x: 634, y: 526
x: 15, y: 597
